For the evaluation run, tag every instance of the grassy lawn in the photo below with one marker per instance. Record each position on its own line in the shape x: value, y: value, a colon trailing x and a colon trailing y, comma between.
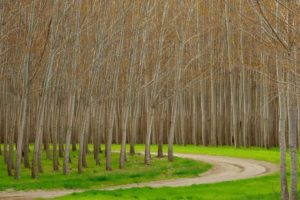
x: 271, y: 155
x: 96, y: 177
x: 263, y: 188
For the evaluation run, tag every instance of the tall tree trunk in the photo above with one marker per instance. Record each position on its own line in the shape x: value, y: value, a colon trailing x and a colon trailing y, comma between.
x: 282, y: 118
x: 55, y: 138
x: 160, y: 143
x: 11, y: 129
x: 41, y: 108
x: 231, y: 77
x: 26, y: 145
x: 127, y: 102
x: 194, y: 119
x: 113, y: 103
x: 135, y: 122
x: 244, y: 96
x: 148, y: 107
x: 292, y: 102
x: 182, y: 119
x: 203, y: 114
x: 82, y: 136
x: 98, y: 132
x: 24, y: 103
x: 109, y: 135
x: 177, y: 87
x: 282, y: 138
x: 38, y: 138
x: 292, y: 113
x: 124, y: 123
x: 213, y: 128
x: 72, y: 95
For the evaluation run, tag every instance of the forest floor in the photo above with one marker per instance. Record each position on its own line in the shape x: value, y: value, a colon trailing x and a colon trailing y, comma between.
x: 224, y: 169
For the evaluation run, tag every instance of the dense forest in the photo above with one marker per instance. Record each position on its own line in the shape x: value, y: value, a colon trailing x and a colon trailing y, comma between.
x: 99, y: 72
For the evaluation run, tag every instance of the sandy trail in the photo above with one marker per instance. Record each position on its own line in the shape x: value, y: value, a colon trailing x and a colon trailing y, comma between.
x: 224, y: 169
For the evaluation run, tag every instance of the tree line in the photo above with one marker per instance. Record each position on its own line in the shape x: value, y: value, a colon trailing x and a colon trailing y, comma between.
x: 153, y: 72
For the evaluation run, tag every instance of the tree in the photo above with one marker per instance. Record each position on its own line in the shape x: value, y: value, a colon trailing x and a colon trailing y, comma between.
x: 72, y: 89
x: 282, y: 118
x: 24, y: 104
x: 292, y: 101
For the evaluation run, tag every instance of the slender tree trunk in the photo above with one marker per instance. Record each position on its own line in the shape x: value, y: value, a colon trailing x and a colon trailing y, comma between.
x: 292, y: 113
x: 24, y: 100
x: 231, y: 77
x: 135, y: 125
x: 10, y: 161
x: 282, y: 119
x: 60, y: 142
x: 213, y: 110
x: 82, y: 136
x: 174, y: 113
x: 203, y: 114
x: 172, y: 129
x: 244, y: 96
x: 124, y: 135
x: 40, y: 155
x: 149, y: 108
x: 72, y: 96
x: 150, y: 119
x: 127, y: 106
x: 47, y: 136
x: 109, y: 136
x: 160, y: 153
x: 194, y: 119
x: 298, y: 103
x: 213, y: 128
x: 182, y: 119
x: 292, y: 104
x: 98, y: 135
x: 282, y: 138
x: 55, y: 133
x: 26, y: 145
x: 5, y: 125
x: 38, y: 139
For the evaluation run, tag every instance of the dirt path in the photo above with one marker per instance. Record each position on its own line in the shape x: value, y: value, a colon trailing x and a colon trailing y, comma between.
x: 224, y: 169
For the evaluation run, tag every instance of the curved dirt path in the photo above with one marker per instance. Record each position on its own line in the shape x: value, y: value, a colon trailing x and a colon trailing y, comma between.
x: 224, y: 169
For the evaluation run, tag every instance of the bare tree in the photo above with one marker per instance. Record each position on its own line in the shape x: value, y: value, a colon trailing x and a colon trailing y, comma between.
x: 26, y: 63
x: 72, y: 95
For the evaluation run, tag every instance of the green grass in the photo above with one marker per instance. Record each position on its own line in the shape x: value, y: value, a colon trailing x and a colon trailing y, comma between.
x: 237, y: 190
x: 95, y: 177
x: 271, y: 155
x: 262, y: 188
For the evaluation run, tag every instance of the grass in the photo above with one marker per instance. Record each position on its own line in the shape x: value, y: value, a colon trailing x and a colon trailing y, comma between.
x: 95, y: 177
x: 271, y: 155
x: 238, y: 190
x: 262, y: 188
